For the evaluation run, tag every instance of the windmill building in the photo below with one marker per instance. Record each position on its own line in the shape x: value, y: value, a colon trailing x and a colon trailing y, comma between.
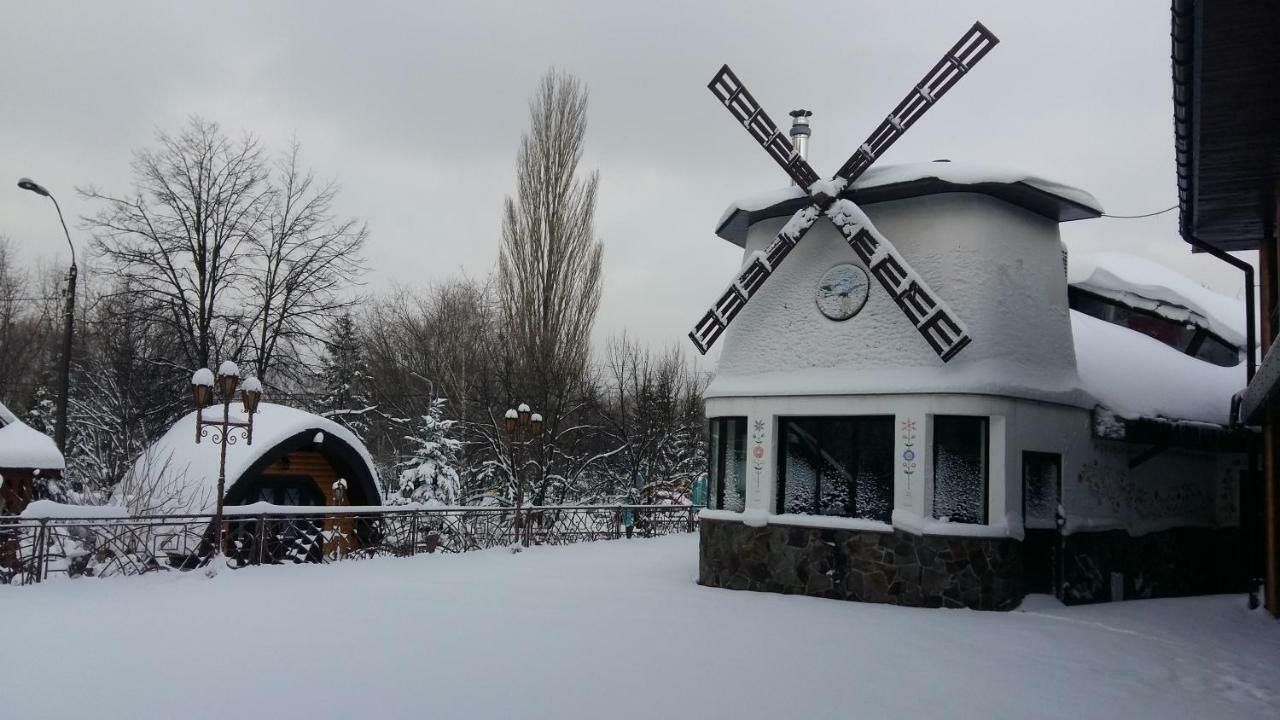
x: 927, y: 404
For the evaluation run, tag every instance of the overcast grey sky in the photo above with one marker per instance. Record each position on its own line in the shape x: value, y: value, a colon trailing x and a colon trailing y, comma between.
x: 417, y: 109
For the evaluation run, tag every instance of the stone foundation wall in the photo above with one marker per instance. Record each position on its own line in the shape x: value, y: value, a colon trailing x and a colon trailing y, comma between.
x: 979, y: 573
x: 898, y: 568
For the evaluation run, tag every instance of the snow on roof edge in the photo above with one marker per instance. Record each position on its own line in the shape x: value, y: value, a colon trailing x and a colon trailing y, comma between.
x: 1130, y: 279
x: 948, y: 172
x: 22, y: 446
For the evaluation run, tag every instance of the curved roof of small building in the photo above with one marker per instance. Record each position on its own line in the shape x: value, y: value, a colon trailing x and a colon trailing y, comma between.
x: 176, y: 475
x: 1058, y: 202
x: 1140, y: 283
x: 22, y: 447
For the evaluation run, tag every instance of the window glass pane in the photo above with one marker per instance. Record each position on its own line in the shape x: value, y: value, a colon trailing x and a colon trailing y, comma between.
x: 1218, y: 352
x: 960, y: 468
x: 841, y: 466
x: 1166, y: 331
x: 713, y: 471
x: 800, y: 468
x: 875, y: 469
x: 1040, y: 489
x: 728, y: 464
x: 735, y: 465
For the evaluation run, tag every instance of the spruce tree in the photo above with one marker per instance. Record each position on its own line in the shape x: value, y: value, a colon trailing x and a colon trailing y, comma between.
x: 429, y: 476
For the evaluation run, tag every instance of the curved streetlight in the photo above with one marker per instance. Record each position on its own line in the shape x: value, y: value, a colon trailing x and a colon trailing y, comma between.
x: 60, y: 424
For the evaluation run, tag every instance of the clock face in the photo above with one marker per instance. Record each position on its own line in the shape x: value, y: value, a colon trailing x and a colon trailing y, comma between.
x: 842, y: 291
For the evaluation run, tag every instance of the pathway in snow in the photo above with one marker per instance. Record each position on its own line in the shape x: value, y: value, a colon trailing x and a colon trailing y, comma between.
x: 610, y: 629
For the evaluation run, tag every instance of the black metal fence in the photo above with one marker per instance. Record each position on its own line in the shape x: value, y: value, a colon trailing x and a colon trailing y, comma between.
x: 34, y: 549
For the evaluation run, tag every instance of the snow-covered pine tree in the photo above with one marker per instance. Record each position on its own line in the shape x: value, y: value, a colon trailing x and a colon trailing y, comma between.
x: 429, y: 476
x: 41, y: 415
x: 344, y: 378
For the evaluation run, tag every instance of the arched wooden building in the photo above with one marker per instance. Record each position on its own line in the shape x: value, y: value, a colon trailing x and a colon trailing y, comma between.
x: 296, y: 458
x: 24, y: 455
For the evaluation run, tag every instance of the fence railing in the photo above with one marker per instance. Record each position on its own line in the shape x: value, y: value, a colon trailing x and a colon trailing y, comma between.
x: 33, y: 549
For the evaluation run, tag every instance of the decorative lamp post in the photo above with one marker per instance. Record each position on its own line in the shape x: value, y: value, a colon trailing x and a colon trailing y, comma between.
x: 64, y: 368
x: 520, y: 422
x: 219, y: 430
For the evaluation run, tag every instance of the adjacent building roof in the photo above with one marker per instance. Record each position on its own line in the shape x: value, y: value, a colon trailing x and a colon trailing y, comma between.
x: 1136, y: 376
x: 1050, y: 199
x: 1226, y: 92
x: 22, y: 447
x: 177, y: 475
x: 1140, y: 283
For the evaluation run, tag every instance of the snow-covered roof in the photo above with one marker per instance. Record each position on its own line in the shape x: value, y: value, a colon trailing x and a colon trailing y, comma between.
x: 1125, y: 371
x: 895, y: 182
x: 184, y: 474
x: 23, y: 447
x: 1145, y: 285
x: 1135, y: 376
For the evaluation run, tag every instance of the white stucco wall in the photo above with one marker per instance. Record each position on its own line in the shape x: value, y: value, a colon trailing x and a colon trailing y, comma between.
x: 999, y: 267
x: 1099, y: 490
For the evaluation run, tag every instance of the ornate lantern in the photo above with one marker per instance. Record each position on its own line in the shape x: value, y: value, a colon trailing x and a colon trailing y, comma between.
x: 201, y: 387
x: 524, y: 414
x: 250, y: 394
x: 536, y: 423
x: 510, y: 420
x: 228, y: 379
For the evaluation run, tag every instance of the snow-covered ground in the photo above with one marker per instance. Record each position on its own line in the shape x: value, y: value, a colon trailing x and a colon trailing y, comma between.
x: 609, y: 629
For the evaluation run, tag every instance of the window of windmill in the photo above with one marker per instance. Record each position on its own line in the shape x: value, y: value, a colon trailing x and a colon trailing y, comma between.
x: 842, y: 291
x: 960, y: 468
x: 837, y: 466
x: 728, y: 460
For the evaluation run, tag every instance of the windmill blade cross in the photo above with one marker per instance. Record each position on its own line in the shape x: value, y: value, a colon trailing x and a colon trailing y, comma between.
x: 930, y: 316
x: 958, y: 61
x: 731, y: 93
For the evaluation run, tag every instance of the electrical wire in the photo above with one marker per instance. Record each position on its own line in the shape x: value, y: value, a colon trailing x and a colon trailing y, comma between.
x: 1144, y: 215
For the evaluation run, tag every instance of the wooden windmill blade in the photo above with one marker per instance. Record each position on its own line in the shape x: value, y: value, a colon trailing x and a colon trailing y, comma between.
x: 961, y: 58
x: 731, y: 93
x: 931, y: 317
x: 758, y: 267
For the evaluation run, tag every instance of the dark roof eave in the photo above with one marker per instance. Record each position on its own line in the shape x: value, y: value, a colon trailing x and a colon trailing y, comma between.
x: 1028, y: 197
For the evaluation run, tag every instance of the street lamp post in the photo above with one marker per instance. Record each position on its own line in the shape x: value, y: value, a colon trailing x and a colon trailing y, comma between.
x: 521, y: 422
x: 69, y: 306
x: 219, y: 430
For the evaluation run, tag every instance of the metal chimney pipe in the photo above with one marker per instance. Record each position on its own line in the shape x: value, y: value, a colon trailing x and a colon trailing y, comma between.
x: 800, y: 131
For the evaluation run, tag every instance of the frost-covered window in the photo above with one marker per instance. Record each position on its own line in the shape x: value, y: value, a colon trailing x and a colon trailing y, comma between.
x: 840, y: 466
x: 960, y: 468
x: 1040, y: 489
x: 728, y: 469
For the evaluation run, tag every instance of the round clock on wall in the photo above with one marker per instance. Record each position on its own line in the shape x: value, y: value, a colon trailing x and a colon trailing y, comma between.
x: 842, y: 291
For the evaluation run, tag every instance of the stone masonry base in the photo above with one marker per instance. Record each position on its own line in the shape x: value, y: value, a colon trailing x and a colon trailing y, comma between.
x: 897, y: 568
x: 979, y: 573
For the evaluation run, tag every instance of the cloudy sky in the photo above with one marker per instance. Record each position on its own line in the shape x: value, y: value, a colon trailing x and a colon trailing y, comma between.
x: 417, y: 110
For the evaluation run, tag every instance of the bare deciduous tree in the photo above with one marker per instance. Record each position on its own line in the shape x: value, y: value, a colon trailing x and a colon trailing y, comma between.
x: 184, y: 234
x: 307, y: 260
x: 549, y: 265
x: 236, y: 255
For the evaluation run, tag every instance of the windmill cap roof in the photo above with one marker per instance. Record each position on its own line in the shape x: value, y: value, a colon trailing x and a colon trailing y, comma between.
x: 1053, y: 200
